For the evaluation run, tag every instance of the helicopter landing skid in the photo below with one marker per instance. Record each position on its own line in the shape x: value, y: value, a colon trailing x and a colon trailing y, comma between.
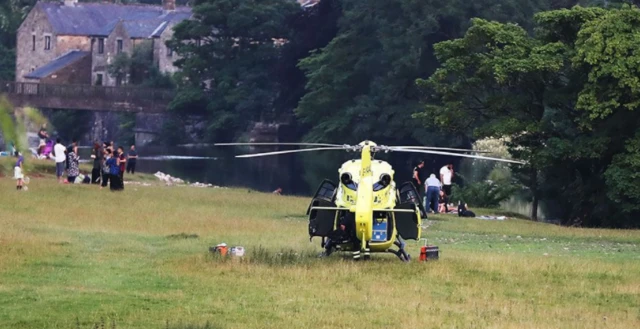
x: 401, y: 253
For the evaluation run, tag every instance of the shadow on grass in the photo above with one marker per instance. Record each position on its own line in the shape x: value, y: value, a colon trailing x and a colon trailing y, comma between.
x: 182, y: 236
x: 111, y: 324
x: 182, y: 325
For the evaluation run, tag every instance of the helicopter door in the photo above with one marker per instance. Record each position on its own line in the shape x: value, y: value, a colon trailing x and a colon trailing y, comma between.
x: 408, y: 193
x: 326, y: 191
x: 407, y: 223
x: 321, y: 221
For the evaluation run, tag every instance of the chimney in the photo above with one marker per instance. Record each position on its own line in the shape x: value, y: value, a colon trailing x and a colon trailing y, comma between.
x: 70, y: 3
x: 169, y: 5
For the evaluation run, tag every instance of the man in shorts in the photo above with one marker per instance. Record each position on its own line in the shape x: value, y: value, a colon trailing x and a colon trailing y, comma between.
x: 59, y: 152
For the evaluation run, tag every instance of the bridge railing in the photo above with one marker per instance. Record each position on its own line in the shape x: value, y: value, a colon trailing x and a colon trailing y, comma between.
x: 114, y: 94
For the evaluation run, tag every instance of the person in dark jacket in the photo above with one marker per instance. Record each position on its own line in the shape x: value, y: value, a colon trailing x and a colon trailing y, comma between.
x: 96, y: 155
x: 106, y: 171
x: 122, y: 163
x: 132, y: 159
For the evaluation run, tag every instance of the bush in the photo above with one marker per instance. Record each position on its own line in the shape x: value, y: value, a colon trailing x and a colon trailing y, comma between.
x: 485, y: 194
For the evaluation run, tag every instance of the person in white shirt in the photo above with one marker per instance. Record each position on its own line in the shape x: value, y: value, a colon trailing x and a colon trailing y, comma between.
x: 446, y: 175
x: 59, y: 155
x: 432, y: 187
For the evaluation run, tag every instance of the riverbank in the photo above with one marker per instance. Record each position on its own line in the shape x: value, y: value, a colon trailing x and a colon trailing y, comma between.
x: 72, y: 256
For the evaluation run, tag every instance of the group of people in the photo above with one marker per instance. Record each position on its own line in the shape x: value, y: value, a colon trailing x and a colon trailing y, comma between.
x: 109, y: 164
x: 437, y: 192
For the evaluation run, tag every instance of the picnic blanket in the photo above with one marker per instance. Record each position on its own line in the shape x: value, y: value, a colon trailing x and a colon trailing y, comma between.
x: 492, y: 217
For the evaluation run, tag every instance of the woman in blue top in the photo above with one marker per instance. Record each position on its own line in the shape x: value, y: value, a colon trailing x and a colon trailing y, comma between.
x: 114, y: 171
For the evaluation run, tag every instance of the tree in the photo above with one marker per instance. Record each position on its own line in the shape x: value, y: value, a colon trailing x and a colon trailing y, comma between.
x: 563, y: 96
x: 12, y: 13
x: 361, y: 86
x: 227, y: 57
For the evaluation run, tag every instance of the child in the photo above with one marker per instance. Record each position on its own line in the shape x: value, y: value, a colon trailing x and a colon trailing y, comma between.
x: 17, y: 171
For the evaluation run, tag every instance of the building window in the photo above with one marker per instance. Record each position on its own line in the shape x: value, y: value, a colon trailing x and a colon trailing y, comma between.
x: 99, y: 79
x: 119, y: 46
x: 47, y: 42
x: 169, y: 52
x: 33, y: 42
x: 100, y: 45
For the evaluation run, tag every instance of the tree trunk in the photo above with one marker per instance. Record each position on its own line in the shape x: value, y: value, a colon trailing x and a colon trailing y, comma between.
x: 534, y: 207
x: 534, y: 191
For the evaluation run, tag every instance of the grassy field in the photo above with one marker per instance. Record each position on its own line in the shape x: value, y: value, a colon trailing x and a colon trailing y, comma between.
x: 74, y: 256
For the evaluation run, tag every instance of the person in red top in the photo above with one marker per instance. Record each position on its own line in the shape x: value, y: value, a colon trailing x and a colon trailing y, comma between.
x: 122, y: 162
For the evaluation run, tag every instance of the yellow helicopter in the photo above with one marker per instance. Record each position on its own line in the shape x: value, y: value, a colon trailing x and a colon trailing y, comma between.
x: 366, y: 212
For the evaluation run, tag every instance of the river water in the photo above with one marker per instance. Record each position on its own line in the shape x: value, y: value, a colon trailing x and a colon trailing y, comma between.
x: 297, y: 174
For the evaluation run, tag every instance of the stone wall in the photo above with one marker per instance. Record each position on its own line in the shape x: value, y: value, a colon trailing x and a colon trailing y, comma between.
x: 162, y: 56
x: 101, y: 62
x: 66, y: 43
x: 28, y: 59
x: 76, y: 73
x: 148, y: 127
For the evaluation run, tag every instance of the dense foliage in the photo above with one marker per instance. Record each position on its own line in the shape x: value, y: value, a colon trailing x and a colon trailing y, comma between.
x: 565, y: 96
x: 563, y: 87
x: 228, y: 56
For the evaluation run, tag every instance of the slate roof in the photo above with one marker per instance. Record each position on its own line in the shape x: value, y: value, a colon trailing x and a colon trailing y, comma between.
x: 57, y: 64
x: 99, y: 19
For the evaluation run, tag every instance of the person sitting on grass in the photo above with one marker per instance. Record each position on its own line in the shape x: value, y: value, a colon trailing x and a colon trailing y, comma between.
x: 17, y: 171
x: 442, y: 203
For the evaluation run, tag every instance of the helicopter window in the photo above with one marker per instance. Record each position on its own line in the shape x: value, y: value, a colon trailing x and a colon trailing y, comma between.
x: 348, y: 182
x: 384, y: 181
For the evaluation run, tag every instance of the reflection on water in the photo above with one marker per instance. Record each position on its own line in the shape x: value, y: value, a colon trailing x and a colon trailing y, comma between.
x: 218, y: 166
x: 174, y: 157
x: 298, y: 174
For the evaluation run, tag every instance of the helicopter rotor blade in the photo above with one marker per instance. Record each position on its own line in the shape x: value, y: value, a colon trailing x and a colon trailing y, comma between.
x: 277, y: 144
x: 438, y: 148
x: 334, y: 148
x: 455, y: 154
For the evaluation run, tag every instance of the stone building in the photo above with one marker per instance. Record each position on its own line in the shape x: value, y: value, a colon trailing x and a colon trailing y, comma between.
x: 66, y: 42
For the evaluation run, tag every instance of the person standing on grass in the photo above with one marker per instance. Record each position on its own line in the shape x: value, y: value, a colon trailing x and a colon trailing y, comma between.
x: 446, y: 175
x: 433, y: 191
x: 74, y: 165
x: 132, y: 159
x: 60, y: 157
x: 418, y: 175
x: 17, y: 171
x: 106, y: 171
x: 73, y: 144
x: 114, y: 172
x: 122, y: 162
x: 96, y: 155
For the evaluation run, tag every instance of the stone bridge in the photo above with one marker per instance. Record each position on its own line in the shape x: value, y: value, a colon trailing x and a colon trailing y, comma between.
x: 86, y: 97
x: 149, y: 105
